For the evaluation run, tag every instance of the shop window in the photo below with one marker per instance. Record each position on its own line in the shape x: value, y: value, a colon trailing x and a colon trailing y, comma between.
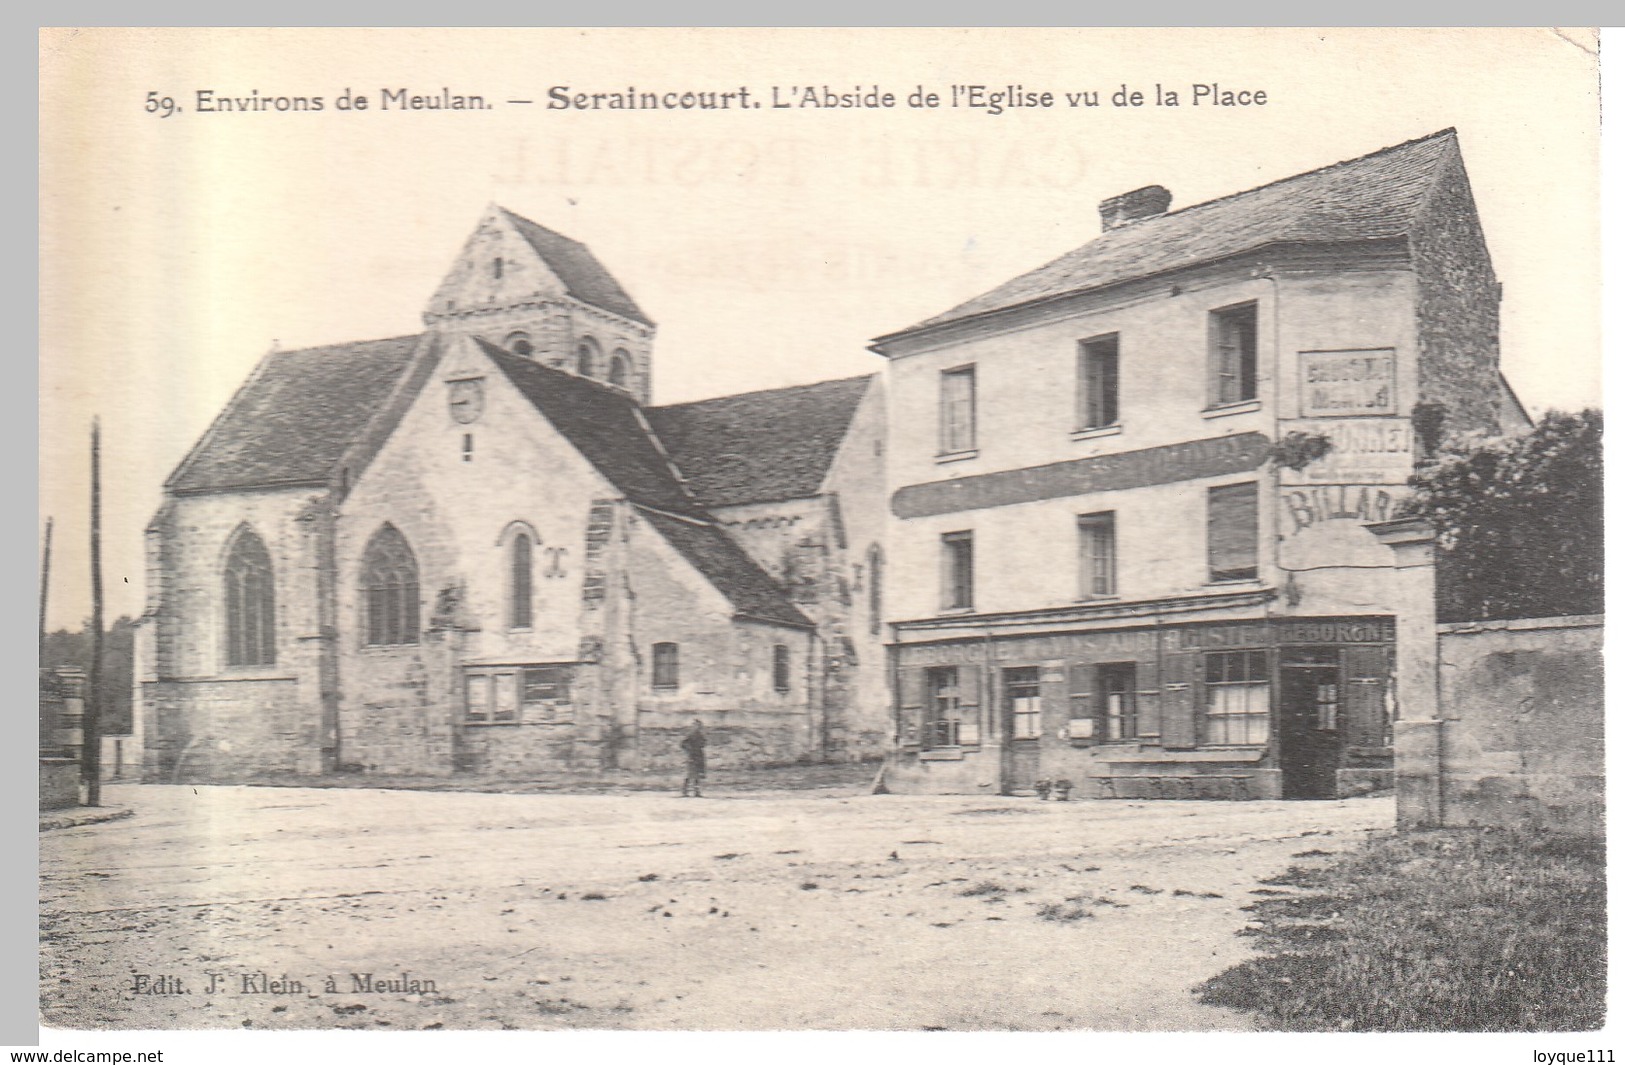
x: 1232, y: 532
x: 1120, y: 718
x: 1233, y: 354
x: 389, y: 590
x: 958, y: 411
x: 958, y: 571
x: 781, y: 668
x: 491, y: 697
x: 509, y: 695
x: 546, y: 693
x: 664, y: 672
x: 477, y: 698
x: 942, y: 707
x: 1097, y: 545
x: 250, y: 596
x: 1238, y: 698
x: 1023, y: 703
x: 1097, y: 383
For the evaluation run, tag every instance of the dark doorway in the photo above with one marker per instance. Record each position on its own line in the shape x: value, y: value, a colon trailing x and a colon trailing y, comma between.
x: 1311, y: 730
x: 1023, y: 727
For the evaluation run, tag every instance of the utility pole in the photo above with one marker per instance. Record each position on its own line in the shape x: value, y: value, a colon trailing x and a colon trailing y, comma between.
x: 91, y: 763
x: 44, y: 586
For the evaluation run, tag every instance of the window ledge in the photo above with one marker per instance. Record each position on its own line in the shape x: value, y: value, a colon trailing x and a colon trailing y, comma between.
x: 958, y: 456
x: 1246, y: 406
x: 1089, y: 599
x: 942, y: 754
x: 950, y: 611
x: 1234, y: 582
x: 490, y: 724
x: 1093, y: 431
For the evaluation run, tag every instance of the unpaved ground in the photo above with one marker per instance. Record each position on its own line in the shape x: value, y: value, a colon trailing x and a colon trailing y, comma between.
x: 651, y: 912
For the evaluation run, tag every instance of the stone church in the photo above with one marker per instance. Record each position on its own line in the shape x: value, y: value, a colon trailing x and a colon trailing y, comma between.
x: 479, y: 549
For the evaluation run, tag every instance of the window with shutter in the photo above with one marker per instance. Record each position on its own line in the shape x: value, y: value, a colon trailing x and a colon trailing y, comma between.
x: 1232, y: 532
x: 1119, y: 719
x: 1233, y: 354
x: 958, y: 410
x: 1097, y: 545
x: 1097, y: 382
x: 664, y: 671
x: 958, y: 571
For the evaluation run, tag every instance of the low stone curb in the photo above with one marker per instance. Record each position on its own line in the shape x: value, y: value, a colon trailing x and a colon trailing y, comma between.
x: 87, y: 816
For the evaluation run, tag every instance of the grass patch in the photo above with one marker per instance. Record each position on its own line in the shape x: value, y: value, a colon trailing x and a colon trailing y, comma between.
x: 1448, y: 930
x: 983, y: 887
x: 1055, y: 911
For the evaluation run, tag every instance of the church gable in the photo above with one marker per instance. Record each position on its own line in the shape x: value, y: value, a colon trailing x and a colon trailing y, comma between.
x: 497, y: 268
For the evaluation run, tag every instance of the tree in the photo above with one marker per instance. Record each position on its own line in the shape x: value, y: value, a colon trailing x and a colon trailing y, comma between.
x: 1519, y: 521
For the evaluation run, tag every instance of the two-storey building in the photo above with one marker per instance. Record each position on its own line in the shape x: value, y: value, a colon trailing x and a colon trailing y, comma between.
x: 1122, y: 553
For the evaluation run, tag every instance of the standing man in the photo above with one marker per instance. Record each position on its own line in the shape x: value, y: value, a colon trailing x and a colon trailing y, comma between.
x: 694, y: 750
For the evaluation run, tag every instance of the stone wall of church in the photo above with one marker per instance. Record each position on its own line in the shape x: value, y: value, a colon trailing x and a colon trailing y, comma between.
x: 206, y: 719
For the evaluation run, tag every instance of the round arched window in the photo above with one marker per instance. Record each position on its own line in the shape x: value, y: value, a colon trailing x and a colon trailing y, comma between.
x: 620, y: 365
x: 586, y: 357
x: 519, y: 343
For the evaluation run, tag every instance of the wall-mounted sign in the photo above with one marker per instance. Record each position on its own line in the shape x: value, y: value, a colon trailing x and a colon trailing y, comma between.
x: 1336, y: 384
x: 1212, y: 457
x: 1310, y: 506
x: 1364, y: 451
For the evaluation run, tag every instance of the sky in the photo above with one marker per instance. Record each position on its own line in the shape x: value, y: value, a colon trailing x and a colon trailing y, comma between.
x: 770, y: 244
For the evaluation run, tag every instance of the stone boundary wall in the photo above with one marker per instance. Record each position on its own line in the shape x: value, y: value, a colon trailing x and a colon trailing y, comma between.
x: 1521, y: 724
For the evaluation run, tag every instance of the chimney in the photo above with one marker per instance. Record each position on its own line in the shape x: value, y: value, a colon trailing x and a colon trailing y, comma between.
x: 1134, y: 206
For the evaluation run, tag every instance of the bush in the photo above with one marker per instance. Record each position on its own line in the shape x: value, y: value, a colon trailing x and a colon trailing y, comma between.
x: 1519, y: 521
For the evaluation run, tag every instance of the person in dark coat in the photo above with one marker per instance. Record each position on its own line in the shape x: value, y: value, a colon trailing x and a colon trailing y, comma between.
x: 694, y: 750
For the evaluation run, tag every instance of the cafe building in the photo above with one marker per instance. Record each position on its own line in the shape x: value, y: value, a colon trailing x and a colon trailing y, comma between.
x: 1129, y: 490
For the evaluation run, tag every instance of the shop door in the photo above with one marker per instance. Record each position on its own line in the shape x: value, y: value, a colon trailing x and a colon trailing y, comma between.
x: 1311, y: 732
x: 1023, y: 726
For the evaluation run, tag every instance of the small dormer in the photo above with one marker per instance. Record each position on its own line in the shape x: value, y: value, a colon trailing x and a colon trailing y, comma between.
x: 542, y: 295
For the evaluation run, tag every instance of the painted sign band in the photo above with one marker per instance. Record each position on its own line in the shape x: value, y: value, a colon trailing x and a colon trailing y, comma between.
x: 1213, y: 457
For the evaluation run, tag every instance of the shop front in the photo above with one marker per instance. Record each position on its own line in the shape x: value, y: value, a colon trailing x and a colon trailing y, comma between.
x: 1292, y: 708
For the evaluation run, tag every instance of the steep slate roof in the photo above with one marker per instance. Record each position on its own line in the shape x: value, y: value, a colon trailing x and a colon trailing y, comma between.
x: 730, y: 570
x: 760, y: 446
x: 583, y: 275
x: 603, y: 424
x: 1373, y: 197
x: 295, y: 416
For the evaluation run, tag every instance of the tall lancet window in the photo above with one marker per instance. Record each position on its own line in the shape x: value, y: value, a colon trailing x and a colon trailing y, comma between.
x: 520, y: 598
x: 389, y: 589
x: 250, y: 602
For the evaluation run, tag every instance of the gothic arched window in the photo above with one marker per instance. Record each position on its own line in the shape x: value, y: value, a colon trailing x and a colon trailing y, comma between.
x: 250, y: 602
x: 620, y: 364
x: 519, y: 581
x: 389, y: 589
